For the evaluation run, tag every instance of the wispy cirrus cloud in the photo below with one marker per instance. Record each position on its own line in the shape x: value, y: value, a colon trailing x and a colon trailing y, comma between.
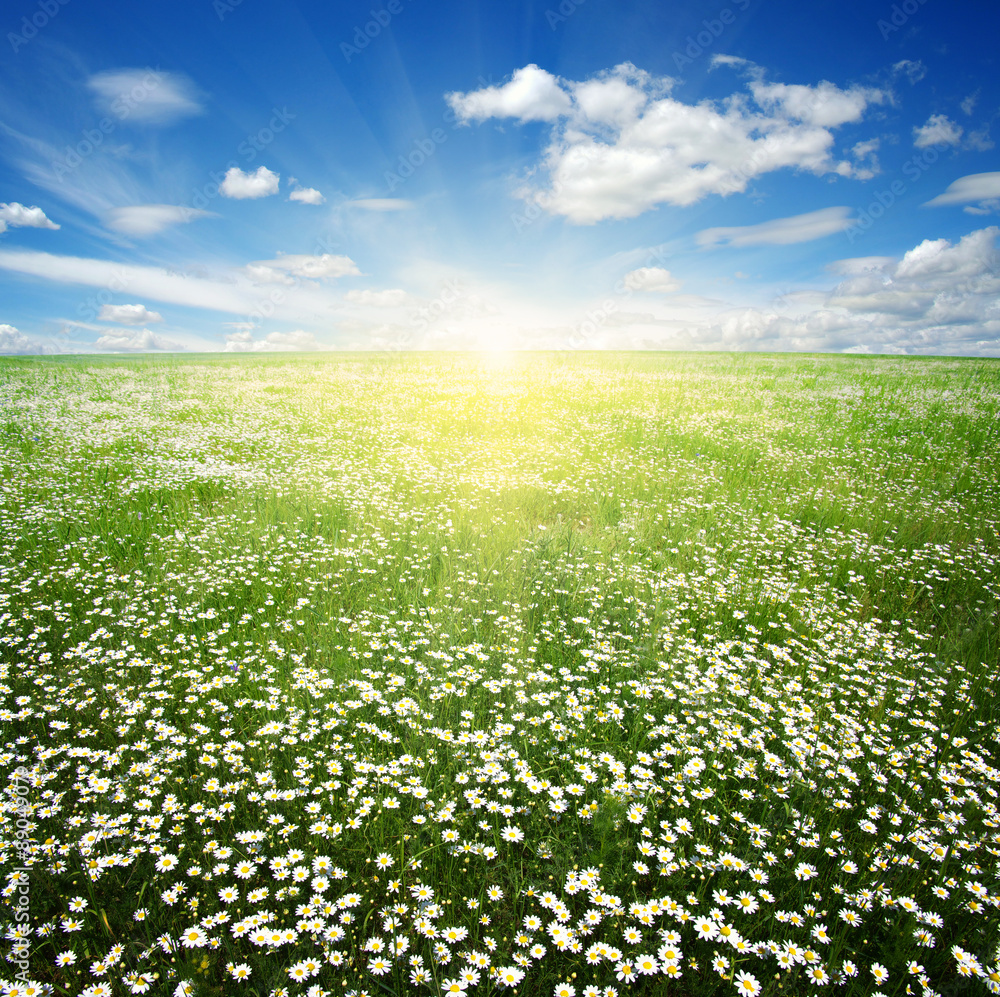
x: 143, y: 220
x: 779, y: 231
x: 145, y: 96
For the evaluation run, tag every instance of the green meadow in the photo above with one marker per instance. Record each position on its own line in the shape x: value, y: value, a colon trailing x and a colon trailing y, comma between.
x: 573, y: 675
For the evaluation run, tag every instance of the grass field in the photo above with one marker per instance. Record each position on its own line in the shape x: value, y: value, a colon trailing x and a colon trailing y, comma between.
x: 584, y: 674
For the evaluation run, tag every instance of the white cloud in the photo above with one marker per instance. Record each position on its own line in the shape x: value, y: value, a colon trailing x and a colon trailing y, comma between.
x: 970, y: 102
x: 307, y: 195
x: 148, y: 96
x: 380, y: 204
x: 861, y: 264
x: 242, y: 341
x: 260, y: 183
x: 18, y: 216
x: 936, y: 260
x: 393, y: 298
x: 301, y: 303
x: 133, y: 341
x: 128, y: 315
x: 976, y: 187
x: 939, y: 298
x: 620, y: 144
x: 915, y: 71
x: 824, y: 105
x: 651, y: 280
x: 142, y: 281
x: 313, y: 267
x: 15, y: 343
x: 531, y: 94
x: 779, y: 231
x: 866, y: 162
x: 261, y: 274
x: 939, y: 129
x: 142, y: 220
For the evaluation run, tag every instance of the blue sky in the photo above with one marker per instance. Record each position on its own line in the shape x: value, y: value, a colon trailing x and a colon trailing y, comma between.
x: 207, y: 175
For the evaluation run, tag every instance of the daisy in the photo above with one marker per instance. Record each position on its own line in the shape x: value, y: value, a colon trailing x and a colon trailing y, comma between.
x: 509, y: 976
x: 817, y: 975
x: 646, y: 965
x: 625, y: 971
x: 193, y: 938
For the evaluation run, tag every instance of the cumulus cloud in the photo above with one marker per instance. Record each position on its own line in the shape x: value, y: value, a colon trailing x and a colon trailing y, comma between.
x: 866, y: 160
x: 18, y: 216
x: 779, y: 231
x: 939, y: 129
x: 307, y: 195
x: 652, y: 280
x: 620, y: 144
x: 311, y: 267
x: 15, y: 343
x: 940, y: 297
x: 128, y: 315
x: 861, y: 264
x: 242, y: 341
x: 148, y: 96
x: 938, y: 292
x: 824, y: 105
x: 393, y: 298
x: 133, y: 341
x: 980, y: 192
x: 531, y: 94
x: 260, y: 183
x: 142, y: 220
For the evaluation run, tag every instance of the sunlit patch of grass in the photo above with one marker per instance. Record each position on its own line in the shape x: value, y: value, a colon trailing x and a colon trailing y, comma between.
x: 673, y: 674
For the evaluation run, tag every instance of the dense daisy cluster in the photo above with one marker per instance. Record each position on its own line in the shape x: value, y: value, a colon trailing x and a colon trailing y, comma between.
x: 564, y: 676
